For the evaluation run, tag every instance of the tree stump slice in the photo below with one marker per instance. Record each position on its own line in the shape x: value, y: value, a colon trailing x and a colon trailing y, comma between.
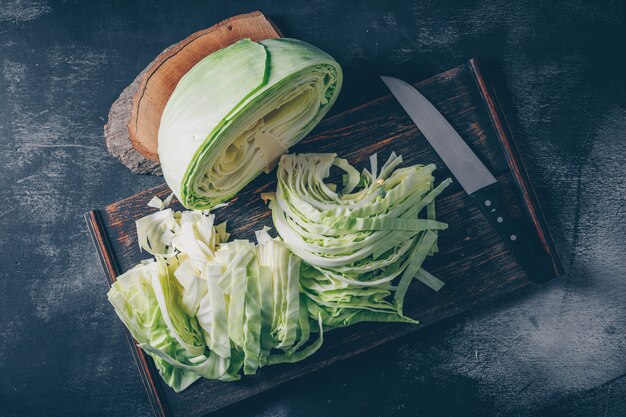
x: 131, y: 133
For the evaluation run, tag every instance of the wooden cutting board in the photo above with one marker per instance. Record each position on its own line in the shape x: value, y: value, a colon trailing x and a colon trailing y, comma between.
x: 473, y: 262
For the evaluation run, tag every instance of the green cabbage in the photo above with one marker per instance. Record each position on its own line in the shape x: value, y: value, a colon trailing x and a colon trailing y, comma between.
x: 207, y: 308
x: 181, y: 358
x: 361, y: 246
x: 236, y: 111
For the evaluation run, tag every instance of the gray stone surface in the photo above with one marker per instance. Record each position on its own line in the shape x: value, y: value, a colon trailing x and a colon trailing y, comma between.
x: 557, y: 350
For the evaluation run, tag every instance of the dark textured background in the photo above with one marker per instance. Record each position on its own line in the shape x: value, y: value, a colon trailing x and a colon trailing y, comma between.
x: 558, y: 349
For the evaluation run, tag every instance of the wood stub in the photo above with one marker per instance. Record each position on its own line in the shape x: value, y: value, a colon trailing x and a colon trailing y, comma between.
x: 132, y: 130
x: 116, y: 135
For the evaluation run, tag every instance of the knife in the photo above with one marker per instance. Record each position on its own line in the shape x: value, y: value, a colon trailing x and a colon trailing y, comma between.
x: 473, y: 176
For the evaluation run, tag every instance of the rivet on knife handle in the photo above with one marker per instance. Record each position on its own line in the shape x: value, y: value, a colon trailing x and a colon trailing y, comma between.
x: 537, y: 266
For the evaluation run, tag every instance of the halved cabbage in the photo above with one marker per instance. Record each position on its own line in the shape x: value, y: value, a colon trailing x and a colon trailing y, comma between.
x: 236, y: 111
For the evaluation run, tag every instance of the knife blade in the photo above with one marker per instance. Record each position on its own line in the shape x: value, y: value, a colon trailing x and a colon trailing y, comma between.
x: 451, y: 148
x: 472, y: 174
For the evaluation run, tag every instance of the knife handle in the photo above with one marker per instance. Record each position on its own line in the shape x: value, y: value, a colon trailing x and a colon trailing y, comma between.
x: 538, y: 266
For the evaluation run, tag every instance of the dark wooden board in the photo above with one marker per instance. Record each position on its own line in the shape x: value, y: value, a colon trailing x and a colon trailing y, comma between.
x: 472, y: 260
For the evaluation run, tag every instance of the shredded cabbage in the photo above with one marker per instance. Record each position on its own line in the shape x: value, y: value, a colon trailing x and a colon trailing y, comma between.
x: 207, y: 308
x: 236, y: 111
x: 136, y: 303
x: 361, y: 246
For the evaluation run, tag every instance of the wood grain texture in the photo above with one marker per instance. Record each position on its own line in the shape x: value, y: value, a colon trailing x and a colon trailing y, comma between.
x: 132, y: 130
x: 473, y: 262
x: 516, y: 165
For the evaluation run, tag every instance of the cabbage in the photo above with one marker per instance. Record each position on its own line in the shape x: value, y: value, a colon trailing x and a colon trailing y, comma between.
x: 361, y: 246
x: 207, y: 308
x: 174, y: 343
x: 157, y: 203
x: 165, y: 233
x: 236, y: 111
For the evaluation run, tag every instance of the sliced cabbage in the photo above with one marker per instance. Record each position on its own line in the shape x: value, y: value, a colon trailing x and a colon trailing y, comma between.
x: 236, y: 111
x: 155, y: 232
x: 166, y: 233
x: 136, y: 303
x: 207, y: 308
x: 360, y: 246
